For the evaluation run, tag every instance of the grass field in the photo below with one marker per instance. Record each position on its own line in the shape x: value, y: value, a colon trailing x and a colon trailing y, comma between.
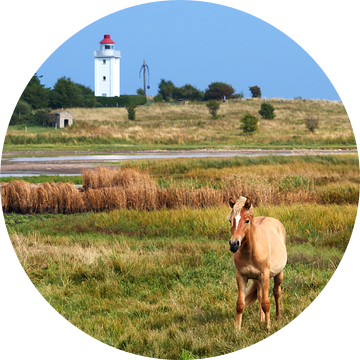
x: 180, y: 126
x: 161, y: 283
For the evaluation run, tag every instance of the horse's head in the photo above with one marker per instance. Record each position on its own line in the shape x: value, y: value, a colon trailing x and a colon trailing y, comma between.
x: 240, y: 218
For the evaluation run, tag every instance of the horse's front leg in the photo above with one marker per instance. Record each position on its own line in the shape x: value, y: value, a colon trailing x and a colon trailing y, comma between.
x: 259, y: 296
x: 265, y: 303
x: 277, y: 292
x: 240, y: 304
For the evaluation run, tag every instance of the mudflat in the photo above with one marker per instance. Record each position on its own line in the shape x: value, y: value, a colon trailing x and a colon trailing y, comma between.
x: 75, y: 166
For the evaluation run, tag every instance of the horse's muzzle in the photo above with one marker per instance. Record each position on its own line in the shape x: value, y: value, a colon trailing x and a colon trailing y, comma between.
x: 234, y: 246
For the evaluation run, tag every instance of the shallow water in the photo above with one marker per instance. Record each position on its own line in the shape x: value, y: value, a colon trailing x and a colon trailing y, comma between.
x: 140, y: 156
x: 32, y: 173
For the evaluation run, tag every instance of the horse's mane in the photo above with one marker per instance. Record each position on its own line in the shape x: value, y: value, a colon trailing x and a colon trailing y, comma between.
x: 238, y: 206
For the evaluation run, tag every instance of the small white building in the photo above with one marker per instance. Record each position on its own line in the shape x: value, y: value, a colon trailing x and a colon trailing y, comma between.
x: 107, y: 69
x: 61, y: 118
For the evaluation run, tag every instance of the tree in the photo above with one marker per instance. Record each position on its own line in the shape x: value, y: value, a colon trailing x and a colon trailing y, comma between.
x: 217, y: 90
x: 249, y: 124
x: 187, y: 92
x: 131, y: 111
x: 312, y: 123
x: 213, y: 107
x: 158, y: 98
x: 35, y: 94
x: 140, y: 91
x: 41, y: 117
x: 66, y: 93
x: 255, y: 91
x: 87, y: 95
x: 166, y: 89
x: 240, y: 95
x: 267, y: 111
x: 22, y: 108
x: 22, y: 113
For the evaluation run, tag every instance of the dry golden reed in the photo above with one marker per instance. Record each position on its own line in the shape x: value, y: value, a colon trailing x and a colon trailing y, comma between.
x: 262, y: 192
x: 107, y: 189
x: 17, y: 196
x: 110, y: 177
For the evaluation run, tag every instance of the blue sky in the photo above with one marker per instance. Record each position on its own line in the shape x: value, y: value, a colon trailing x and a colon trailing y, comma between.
x: 196, y: 43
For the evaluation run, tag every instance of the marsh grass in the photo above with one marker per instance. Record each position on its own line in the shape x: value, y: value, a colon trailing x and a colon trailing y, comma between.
x: 196, y: 183
x: 162, y: 283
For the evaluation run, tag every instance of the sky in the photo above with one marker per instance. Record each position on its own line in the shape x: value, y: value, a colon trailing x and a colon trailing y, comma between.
x: 196, y: 43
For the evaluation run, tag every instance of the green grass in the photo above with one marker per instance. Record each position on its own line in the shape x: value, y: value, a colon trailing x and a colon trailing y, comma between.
x: 174, y: 126
x: 105, y: 144
x: 181, y: 166
x: 203, y: 170
x: 162, y: 283
x: 77, y: 180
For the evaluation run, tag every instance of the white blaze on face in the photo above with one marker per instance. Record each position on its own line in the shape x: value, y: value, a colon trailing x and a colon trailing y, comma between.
x: 237, y: 220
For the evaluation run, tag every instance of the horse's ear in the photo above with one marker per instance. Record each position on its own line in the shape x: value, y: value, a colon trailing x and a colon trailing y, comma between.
x: 231, y: 202
x: 247, y: 205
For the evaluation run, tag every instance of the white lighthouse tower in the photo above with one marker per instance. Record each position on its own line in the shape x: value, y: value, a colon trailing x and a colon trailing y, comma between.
x: 107, y: 69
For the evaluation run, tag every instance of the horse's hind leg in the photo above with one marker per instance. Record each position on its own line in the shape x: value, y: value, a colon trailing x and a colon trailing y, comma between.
x: 277, y: 292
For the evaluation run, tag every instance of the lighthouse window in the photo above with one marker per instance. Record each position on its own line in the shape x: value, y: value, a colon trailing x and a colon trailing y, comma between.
x: 104, y: 78
x: 104, y: 62
x: 107, y: 47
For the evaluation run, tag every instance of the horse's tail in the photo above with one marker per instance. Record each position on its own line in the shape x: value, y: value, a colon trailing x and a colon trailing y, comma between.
x: 251, y: 294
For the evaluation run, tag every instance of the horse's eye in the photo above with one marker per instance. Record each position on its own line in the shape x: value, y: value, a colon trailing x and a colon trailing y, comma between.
x: 247, y: 221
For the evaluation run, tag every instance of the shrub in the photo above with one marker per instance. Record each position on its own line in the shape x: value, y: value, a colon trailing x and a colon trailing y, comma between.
x: 312, y: 123
x: 217, y: 90
x: 158, y: 98
x: 255, y: 91
x: 267, y: 111
x: 120, y: 101
x: 131, y: 111
x: 188, y: 92
x: 213, y: 107
x: 166, y: 89
x: 140, y: 91
x: 249, y: 124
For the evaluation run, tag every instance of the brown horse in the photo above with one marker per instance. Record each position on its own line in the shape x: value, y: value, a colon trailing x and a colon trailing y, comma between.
x: 259, y: 248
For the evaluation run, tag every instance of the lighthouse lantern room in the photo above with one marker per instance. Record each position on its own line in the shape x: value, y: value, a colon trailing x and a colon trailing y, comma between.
x: 107, y: 69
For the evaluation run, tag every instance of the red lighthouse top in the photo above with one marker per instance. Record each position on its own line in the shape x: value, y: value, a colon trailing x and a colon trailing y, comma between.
x: 107, y: 40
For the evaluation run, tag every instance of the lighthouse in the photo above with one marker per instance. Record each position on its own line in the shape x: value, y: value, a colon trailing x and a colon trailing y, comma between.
x: 107, y: 69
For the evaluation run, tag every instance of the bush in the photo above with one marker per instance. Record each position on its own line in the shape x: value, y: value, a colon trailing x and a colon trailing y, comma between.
x: 41, y: 117
x: 249, y: 124
x: 312, y: 123
x: 131, y: 111
x: 255, y: 91
x: 217, y: 90
x: 120, y: 101
x: 267, y: 111
x: 187, y: 92
x: 158, y: 98
x: 213, y: 107
x: 166, y: 89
